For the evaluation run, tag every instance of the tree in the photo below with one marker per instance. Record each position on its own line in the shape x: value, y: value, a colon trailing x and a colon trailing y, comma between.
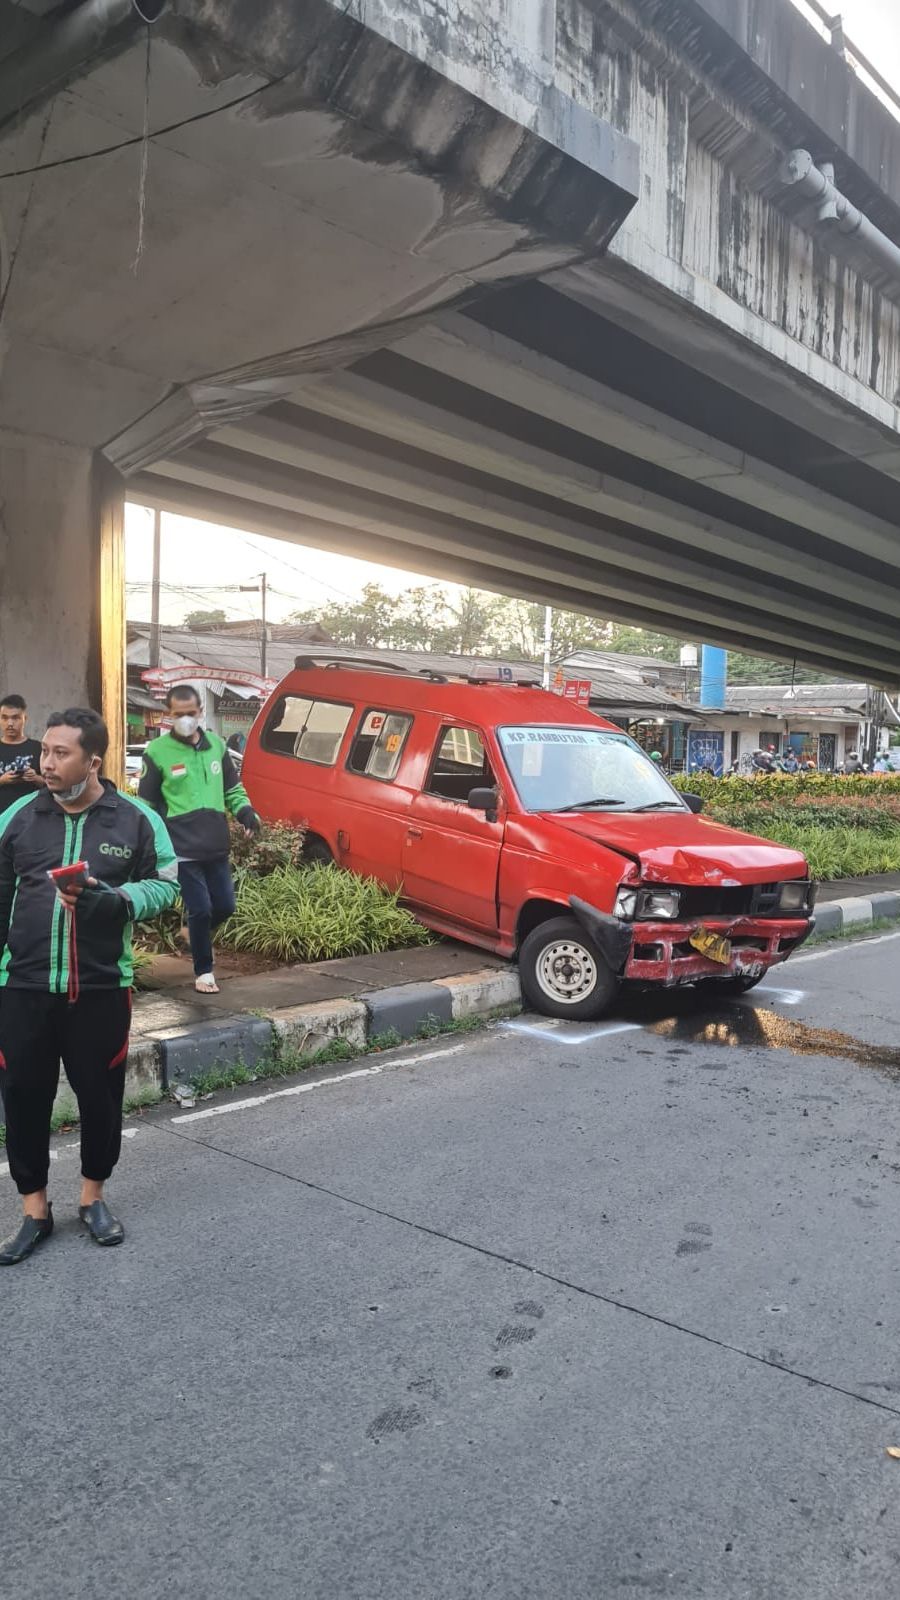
x: 365, y: 622
x: 203, y: 621
x: 475, y: 617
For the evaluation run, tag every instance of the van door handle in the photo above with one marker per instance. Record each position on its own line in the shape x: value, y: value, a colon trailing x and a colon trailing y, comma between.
x: 414, y: 833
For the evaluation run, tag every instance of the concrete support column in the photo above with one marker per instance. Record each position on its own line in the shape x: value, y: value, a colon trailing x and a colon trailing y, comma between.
x: 62, y: 592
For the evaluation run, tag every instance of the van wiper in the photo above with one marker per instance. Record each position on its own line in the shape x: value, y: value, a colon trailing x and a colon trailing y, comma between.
x: 660, y: 805
x: 584, y: 805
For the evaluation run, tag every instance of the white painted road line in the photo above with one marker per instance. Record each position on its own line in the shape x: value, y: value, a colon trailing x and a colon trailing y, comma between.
x: 373, y: 1071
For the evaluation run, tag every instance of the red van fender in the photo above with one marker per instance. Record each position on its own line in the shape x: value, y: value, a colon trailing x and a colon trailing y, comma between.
x: 611, y: 936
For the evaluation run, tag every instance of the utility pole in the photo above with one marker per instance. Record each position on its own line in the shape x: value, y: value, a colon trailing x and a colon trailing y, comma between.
x: 154, y: 592
x: 261, y: 589
x: 548, y: 641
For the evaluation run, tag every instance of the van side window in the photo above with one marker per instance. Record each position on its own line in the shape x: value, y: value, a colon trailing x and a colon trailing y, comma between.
x: 460, y: 764
x: 310, y: 730
x: 378, y: 744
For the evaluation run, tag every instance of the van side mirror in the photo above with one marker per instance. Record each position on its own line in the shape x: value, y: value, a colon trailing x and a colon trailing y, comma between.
x: 485, y: 800
x: 694, y: 802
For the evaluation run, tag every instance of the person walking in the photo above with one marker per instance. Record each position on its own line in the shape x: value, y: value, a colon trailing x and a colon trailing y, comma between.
x: 20, y: 758
x: 189, y: 777
x: 66, y: 970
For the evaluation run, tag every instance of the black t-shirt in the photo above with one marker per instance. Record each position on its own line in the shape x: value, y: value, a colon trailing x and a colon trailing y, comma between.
x: 12, y: 758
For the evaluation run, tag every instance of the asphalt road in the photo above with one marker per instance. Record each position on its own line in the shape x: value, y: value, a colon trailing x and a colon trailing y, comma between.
x: 544, y: 1313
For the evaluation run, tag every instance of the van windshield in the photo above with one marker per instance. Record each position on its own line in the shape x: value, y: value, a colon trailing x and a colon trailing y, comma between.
x: 583, y: 769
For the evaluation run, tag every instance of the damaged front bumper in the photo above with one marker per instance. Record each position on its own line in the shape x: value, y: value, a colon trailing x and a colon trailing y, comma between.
x: 661, y: 952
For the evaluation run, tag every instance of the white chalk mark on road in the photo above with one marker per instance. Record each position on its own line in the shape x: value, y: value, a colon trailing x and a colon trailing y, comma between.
x: 558, y: 1031
x: 788, y: 997
x: 252, y: 1101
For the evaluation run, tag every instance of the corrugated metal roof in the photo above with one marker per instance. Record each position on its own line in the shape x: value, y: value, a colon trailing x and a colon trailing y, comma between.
x: 819, y: 699
x: 618, y: 689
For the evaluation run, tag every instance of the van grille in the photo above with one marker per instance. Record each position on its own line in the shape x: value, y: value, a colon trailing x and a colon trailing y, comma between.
x: 751, y: 900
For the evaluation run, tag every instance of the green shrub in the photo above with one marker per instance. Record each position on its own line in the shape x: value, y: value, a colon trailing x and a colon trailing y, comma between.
x: 277, y: 844
x: 841, y: 852
x: 808, y: 813
x: 779, y: 786
x: 315, y: 913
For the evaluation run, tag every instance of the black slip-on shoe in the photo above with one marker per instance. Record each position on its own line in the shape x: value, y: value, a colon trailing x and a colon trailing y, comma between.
x: 103, y: 1227
x: 18, y: 1246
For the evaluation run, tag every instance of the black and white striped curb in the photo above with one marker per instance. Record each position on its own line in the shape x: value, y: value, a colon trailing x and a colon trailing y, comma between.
x: 160, y: 1061
x: 842, y: 916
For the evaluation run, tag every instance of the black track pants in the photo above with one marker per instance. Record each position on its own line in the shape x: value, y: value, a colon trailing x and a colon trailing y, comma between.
x: 37, y: 1031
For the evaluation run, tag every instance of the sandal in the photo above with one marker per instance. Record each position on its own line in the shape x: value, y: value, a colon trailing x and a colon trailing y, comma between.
x: 206, y: 983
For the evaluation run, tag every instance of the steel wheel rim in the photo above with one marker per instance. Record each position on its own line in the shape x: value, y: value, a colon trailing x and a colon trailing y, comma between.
x: 566, y: 972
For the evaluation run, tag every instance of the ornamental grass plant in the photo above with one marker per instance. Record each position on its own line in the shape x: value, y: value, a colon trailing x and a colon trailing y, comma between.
x: 314, y: 913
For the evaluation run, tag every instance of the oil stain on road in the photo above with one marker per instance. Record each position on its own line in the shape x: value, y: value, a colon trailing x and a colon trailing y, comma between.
x: 749, y: 1028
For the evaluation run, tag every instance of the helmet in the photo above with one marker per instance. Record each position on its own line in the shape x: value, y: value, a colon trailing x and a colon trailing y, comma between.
x: 656, y: 755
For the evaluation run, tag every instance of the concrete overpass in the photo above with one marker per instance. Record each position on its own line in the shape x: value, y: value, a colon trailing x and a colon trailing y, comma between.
x: 514, y: 294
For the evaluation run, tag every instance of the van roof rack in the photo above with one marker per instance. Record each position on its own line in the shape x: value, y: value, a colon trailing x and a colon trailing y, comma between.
x: 324, y: 658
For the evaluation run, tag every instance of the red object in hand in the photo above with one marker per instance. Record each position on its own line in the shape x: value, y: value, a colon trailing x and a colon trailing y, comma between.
x: 68, y: 877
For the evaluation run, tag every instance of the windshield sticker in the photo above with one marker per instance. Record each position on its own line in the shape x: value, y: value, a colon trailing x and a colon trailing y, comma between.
x: 532, y: 760
x: 550, y: 736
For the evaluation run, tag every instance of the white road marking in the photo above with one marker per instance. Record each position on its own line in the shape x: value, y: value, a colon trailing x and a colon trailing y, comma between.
x: 840, y: 949
x: 252, y: 1101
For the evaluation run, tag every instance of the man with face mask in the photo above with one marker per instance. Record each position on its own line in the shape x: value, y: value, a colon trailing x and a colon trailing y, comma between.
x: 189, y: 777
x: 66, y: 969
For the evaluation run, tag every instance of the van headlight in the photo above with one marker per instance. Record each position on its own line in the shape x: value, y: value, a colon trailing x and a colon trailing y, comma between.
x: 659, y: 905
x: 796, y: 896
x: 648, y: 905
x: 626, y: 904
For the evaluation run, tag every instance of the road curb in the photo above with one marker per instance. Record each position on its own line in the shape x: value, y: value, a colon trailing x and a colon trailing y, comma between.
x: 181, y: 1055
x: 855, y: 912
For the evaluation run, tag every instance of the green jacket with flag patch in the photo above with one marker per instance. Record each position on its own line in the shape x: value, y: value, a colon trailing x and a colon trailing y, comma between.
x: 192, y: 786
x: 127, y: 850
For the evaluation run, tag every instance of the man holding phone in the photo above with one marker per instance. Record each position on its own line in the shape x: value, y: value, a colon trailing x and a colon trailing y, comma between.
x: 79, y: 864
x: 20, y: 758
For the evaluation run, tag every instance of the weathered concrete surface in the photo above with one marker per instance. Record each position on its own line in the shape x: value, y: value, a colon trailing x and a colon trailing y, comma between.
x: 308, y: 1028
x: 48, y: 565
x: 392, y: 227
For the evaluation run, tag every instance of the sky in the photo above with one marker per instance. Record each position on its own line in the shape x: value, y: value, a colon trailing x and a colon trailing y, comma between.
x: 874, y: 26
x: 202, y: 564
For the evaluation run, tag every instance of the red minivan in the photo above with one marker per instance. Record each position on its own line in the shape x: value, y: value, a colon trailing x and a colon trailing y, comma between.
x: 518, y: 821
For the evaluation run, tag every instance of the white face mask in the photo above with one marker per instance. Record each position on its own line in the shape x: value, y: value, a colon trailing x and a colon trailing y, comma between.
x: 186, y: 727
x: 75, y: 791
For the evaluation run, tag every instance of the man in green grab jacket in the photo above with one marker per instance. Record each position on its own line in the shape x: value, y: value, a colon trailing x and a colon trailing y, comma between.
x: 189, y: 777
x: 79, y: 865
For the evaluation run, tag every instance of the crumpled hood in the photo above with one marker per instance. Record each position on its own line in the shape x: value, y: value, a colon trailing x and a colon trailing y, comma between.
x: 676, y: 847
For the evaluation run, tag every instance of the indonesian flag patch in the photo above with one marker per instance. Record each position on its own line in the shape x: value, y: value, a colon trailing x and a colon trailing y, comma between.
x: 180, y: 771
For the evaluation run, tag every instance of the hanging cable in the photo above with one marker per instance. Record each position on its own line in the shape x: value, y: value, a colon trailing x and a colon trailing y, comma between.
x: 145, y: 163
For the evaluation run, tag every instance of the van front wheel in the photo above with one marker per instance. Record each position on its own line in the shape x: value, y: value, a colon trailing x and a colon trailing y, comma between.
x: 563, y: 973
x: 316, y: 852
